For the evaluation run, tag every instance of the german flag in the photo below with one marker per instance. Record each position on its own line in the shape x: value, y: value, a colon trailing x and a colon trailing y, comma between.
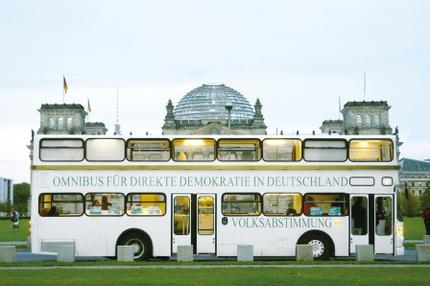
x: 65, y: 87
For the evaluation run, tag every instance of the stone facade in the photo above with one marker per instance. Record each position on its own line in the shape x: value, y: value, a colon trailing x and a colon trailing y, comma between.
x: 6, y: 191
x: 366, y: 117
x: 95, y: 128
x: 361, y: 117
x: 67, y: 119
x: 332, y: 127
x: 414, y: 175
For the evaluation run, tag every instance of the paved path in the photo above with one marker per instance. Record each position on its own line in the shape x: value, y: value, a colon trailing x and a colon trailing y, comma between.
x: 27, y: 256
x: 220, y: 266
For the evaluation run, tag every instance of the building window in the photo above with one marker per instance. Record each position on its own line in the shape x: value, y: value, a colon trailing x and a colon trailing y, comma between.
x: 376, y: 120
x: 368, y: 121
x: 69, y: 123
x: 60, y: 123
x: 359, y: 122
x: 51, y: 123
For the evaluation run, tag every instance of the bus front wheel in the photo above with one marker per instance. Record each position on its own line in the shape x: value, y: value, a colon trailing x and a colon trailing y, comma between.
x: 322, y: 249
x: 140, y: 244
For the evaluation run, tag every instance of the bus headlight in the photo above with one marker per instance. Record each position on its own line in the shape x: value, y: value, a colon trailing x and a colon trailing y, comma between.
x: 399, y: 230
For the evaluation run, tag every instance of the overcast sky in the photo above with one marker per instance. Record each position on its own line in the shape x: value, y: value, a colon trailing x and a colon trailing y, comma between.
x: 296, y: 56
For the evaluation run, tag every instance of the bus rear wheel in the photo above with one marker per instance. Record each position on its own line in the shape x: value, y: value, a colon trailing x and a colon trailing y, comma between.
x: 141, y: 245
x: 321, y: 246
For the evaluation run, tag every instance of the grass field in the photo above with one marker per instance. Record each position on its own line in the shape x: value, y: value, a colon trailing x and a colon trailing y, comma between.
x: 9, y: 234
x: 219, y: 276
x: 414, y: 228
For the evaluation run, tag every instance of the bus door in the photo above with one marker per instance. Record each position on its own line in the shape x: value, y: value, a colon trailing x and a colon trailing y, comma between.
x: 193, y: 222
x: 383, y: 224
x: 359, y: 220
x: 371, y: 222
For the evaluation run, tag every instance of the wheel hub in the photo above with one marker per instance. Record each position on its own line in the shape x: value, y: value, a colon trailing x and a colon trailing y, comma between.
x: 317, y: 246
x: 138, y: 247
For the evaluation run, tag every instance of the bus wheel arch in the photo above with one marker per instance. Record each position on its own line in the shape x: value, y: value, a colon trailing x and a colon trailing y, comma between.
x: 321, y: 241
x: 139, y: 239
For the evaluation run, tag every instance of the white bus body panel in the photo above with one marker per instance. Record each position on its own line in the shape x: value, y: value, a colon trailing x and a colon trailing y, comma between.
x: 97, y: 236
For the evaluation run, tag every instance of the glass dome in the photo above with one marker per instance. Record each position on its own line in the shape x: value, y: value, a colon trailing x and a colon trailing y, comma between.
x: 209, y: 101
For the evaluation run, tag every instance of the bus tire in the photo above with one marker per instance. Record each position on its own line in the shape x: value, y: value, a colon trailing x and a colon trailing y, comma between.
x: 141, y: 244
x: 321, y: 243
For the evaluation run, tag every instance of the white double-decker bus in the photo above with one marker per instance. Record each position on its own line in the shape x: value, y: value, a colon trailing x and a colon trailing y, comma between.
x: 215, y: 193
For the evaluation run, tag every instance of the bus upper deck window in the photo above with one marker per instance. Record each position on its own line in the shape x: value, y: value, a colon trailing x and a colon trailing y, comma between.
x: 239, y: 150
x: 371, y: 150
x: 148, y: 150
x: 325, y: 150
x: 61, y: 150
x: 193, y: 149
x: 282, y: 150
x: 105, y: 149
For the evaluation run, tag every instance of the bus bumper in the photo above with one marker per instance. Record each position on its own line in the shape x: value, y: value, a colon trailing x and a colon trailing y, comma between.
x: 400, y: 251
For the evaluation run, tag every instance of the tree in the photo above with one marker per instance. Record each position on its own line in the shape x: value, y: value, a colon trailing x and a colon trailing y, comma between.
x: 21, y: 194
x: 425, y: 197
x: 410, y: 204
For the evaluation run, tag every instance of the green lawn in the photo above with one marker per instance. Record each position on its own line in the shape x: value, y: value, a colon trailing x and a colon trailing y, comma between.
x: 9, y: 234
x: 232, y: 276
x: 414, y: 228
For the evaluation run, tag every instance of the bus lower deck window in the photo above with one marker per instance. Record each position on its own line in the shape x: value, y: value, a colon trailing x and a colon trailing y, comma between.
x: 56, y: 204
x: 279, y: 204
x: 109, y: 204
x: 146, y: 204
x: 237, y: 204
x: 325, y: 204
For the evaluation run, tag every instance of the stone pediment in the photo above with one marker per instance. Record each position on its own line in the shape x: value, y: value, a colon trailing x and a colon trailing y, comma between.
x: 214, y: 129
